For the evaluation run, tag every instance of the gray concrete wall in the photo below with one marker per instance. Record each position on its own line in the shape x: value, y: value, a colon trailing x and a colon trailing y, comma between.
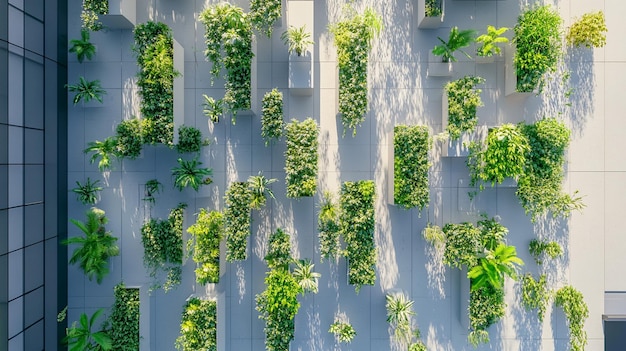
x: 399, y: 92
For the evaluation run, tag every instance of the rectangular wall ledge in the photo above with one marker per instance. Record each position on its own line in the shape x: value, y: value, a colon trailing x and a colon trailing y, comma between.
x: 122, y: 14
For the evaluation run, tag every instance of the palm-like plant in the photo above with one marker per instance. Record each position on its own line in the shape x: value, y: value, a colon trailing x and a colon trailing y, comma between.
x: 95, y: 247
x: 259, y: 190
x: 190, y: 174
x: 212, y: 108
x: 86, y: 90
x: 456, y: 40
x: 82, y: 47
x: 87, y: 193
x: 492, y: 269
x: 297, y: 39
x: 399, y: 312
x: 106, y: 150
x: 305, y: 276
x: 82, y: 337
x: 489, y: 40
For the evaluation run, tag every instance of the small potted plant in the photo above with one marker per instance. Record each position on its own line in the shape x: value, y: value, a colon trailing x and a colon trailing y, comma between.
x: 457, y: 40
x: 430, y: 13
x: 82, y: 47
x: 487, y: 49
x: 300, y: 47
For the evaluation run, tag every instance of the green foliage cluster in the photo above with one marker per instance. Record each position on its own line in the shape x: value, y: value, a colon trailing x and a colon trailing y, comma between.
x: 486, y: 307
x: 301, y: 158
x: 263, y: 15
x: 207, y: 234
x: 237, y: 221
x: 272, y: 122
x: 106, y: 150
x: 152, y: 187
x: 82, y: 337
x: 535, y: 294
x: 89, y: 14
x: 212, y: 108
x: 278, y: 306
x: 494, y: 266
x: 343, y: 331
x: 129, y: 138
x: 399, y: 315
x: 229, y: 32
x: 463, y: 244
x: 410, y: 182
x: 95, y: 247
x: 463, y: 100
x: 279, y: 250
x: 538, y: 41
x: 189, y: 139
x: 259, y: 190
x: 87, y: 193
x: 539, y: 187
x: 538, y: 247
x: 154, y: 47
x: 123, y: 323
x: 434, y: 234
x: 328, y: 227
x: 82, y: 47
x: 353, y: 39
x: 589, y: 31
x: 86, y: 90
x: 198, y: 326
x: 456, y: 41
x: 356, y: 221
x: 163, y: 246
x: 487, y: 42
x: 503, y: 155
x: 576, y: 312
x: 297, y: 39
x: 305, y: 276
x: 433, y: 8
x: 189, y: 173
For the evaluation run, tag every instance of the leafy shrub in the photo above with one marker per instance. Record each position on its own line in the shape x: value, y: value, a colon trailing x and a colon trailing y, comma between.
x: 411, y: 145
x: 154, y: 47
x: 344, y: 332
x: 207, y: 234
x: 129, y: 138
x: 259, y: 190
x: 106, y: 150
x: 328, y: 227
x: 494, y: 267
x: 463, y: 99
x: 264, y: 13
x: 83, y: 337
x: 163, y: 247
x: 189, y: 139
x: 198, y: 326
x: 272, y: 122
x: 434, y: 234
x: 278, y: 306
x: 535, y: 294
x: 237, y: 221
x: 589, y: 31
x: 301, y: 158
x: 297, y: 39
x: 538, y: 247
x: 538, y: 42
x: 82, y: 47
x: 123, y: 323
x: 463, y: 244
x: 87, y: 193
x: 576, y: 312
x: 353, y: 39
x: 456, y: 41
x: 357, y: 227
x: 279, y: 250
x: 486, y: 307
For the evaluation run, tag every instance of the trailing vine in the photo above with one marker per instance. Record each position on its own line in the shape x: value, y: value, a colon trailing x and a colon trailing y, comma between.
x: 272, y: 122
x: 353, y: 39
x: 410, y: 181
x: 576, y: 312
x: 206, y: 234
x: 264, y: 13
x: 535, y: 294
x: 538, y: 247
x: 189, y: 139
x: 123, y: 322
x: 328, y: 227
x: 198, y: 326
x: 301, y: 158
x: 279, y: 250
x: 463, y: 99
x: 486, y: 307
x: 237, y: 221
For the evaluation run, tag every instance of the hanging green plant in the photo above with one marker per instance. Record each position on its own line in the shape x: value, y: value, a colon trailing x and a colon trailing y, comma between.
x: 535, y: 294
x: 106, y: 150
x: 212, y: 108
x: 272, y: 122
x: 537, y: 39
x: 122, y: 324
x: 410, y: 166
x: 163, y: 247
x: 343, y: 331
x: 301, y: 158
x: 264, y: 13
x: 207, y: 234
x: 353, y: 39
x: 152, y: 187
x: 576, y: 312
x: 154, y: 47
x: 486, y: 307
x: 129, y: 138
x: 463, y: 100
x: 87, y: 193
x: 228, y: 39
x: 259, y: 190
x: 189, y: 139
x: 89, y: 14
x: 433, y: 8
x: 95, y: 247
x: 237, y: 221
x: 538, y: 248
x: 328, y: 227
x: 589, y: 31
x: 86, y: 90
x: 82, y: 47
x: 279, y: 250
x: 189, y: 173
x: 198, y: 326
x: 357, y: 227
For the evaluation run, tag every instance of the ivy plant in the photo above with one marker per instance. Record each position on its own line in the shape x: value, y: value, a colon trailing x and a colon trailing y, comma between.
x: 189, y: 139
x: 86, y: 90
x: 463, y: 244
x: 463, y: 100
x: 95, y: 247
x: 189, y: 173
x: 264, y: 13
x: 535, y: 294
x: 83, y: 337
x: 538, y: 248
x: 353, y: 39
x: 163, y: 247
x: 198, y: 326
x: 588, y: 31
x: 260, y: 190
x: 301, y: 158
x: 129, y: 138
x: 576, y: 311
x: 486, y: 307
x: 87, y: 193
x: 357, y: 228
x: 237, y: 221
x: 154, y: 48
x: 106, y: 150
x: 228, y: 39
x: 279, y: 250
x: 207, y: 233
x: 537, y: 37
x: 410, y: 166
x: 82, y: 47
x: 328, y: 227
x: 122, y: 325
x: 272, y: 122
x: 343, y: 331
x: 278, y: 306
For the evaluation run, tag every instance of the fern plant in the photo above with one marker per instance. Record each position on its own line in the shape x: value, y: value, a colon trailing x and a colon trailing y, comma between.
x: 86, y: 90
x: 189, y: 173
x: 82, y: 47
x: 87, y: 193
x: 106, y: 150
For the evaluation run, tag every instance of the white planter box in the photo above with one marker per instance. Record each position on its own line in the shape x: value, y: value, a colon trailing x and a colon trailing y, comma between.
x: 485, y: 59
x: 510, y: 77
x: 428, y: 22
x: 301, y: 74
x: 122, y: 14
x: 459, y: 147
x: 179, y: 89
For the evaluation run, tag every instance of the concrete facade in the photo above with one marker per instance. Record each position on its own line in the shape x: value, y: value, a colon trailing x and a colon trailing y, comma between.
x: 399, y: 93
